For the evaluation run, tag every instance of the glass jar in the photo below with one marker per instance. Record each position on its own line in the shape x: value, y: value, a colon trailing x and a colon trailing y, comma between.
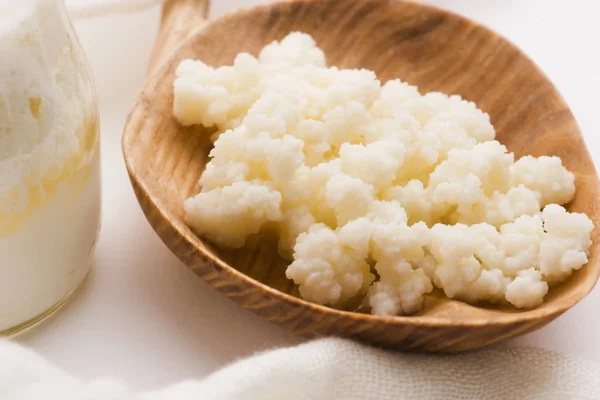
x: 49, y: 162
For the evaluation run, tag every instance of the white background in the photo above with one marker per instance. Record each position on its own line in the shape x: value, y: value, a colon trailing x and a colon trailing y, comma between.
x: 144, y: 318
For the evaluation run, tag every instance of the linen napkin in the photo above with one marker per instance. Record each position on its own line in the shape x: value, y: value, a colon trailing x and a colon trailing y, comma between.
x: 79, y: 9
x: 330, y: 369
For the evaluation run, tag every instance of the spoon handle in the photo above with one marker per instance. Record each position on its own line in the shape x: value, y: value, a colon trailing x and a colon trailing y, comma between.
x: 179, y: 18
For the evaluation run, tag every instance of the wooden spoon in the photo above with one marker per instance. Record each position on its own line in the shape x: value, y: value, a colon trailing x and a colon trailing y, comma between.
x: 422, y: 45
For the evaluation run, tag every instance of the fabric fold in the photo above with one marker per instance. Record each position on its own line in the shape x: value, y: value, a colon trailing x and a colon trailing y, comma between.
x: 330, y: 369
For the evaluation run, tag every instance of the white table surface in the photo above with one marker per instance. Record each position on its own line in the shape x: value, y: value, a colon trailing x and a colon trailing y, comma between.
x: 143, y: 317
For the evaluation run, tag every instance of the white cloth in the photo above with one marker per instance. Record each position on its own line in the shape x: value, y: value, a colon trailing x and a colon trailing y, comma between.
x: 330, y: 369
x: 79, y: 9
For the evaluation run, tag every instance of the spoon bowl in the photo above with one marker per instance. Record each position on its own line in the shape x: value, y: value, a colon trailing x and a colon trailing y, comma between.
x: 422, y: 45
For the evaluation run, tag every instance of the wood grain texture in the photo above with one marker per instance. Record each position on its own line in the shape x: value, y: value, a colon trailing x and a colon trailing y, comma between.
x: 427, y: 47
x: 179, y: 19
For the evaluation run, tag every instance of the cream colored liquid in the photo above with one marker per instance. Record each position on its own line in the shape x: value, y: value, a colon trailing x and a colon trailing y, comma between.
x: 46, y: 250
x: 49, y: 164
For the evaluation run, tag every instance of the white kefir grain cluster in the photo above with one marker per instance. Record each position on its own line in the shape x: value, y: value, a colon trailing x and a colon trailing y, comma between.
x: 378, y: 192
